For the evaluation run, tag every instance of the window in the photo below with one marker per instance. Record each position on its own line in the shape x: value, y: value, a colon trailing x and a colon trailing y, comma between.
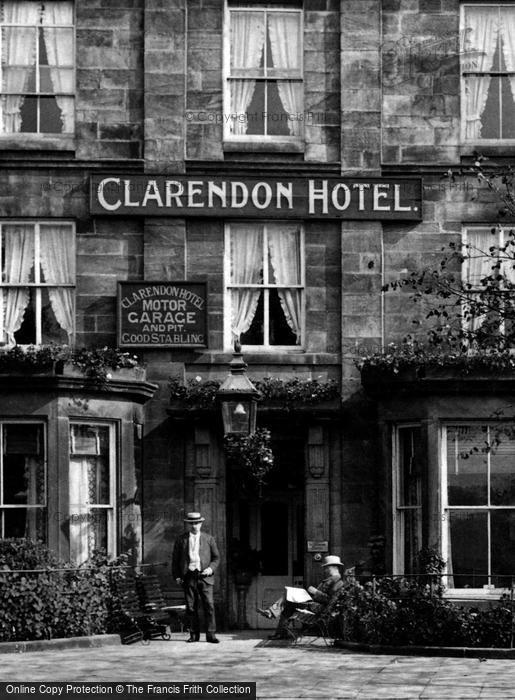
x: 264, y: 284
x: 488, y: 72
x: 22, y: 480
x: 91, y: 490
x: 478, y: 519
x: 264, y: 91
x: 37, y: 286
x: 408, y: 498
x: 488, y: 306
x: 37, y: 67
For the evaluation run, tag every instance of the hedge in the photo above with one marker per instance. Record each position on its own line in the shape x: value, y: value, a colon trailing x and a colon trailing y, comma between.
x: 61, y: 601
x: 395, y: 611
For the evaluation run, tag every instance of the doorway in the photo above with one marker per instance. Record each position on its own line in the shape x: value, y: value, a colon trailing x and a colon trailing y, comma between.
x: 273, y: 526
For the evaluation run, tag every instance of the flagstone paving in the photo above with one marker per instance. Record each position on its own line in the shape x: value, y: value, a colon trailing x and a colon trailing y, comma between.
x: 281, y: 672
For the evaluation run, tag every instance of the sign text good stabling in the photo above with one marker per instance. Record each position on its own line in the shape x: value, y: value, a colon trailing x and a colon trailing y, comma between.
x: 161, y: 314
x: 281, y: 198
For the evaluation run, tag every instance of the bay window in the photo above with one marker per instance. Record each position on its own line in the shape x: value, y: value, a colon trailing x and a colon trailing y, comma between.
x: 264, y: 74
x: 38, y: 283
x: 488, y: 71
x: 264, y: 270
x: 91, y: 490
x: 22, y: 480
x: 478, y: 505
x: 37, y: 67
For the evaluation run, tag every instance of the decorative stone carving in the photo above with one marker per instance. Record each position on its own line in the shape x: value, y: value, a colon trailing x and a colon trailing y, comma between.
x: 316, y: 452
x: 203, y: 461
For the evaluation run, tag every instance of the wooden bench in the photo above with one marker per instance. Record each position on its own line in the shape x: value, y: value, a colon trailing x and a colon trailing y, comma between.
x: 134, y: 621
x: 153, y: 603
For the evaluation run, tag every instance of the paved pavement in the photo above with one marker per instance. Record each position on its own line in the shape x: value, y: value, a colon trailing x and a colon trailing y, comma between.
x: 281, y: 671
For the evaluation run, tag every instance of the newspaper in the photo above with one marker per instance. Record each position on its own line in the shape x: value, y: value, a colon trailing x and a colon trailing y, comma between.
x: 297, y: 595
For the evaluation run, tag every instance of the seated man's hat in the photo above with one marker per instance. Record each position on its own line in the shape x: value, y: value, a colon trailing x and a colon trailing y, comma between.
x: 332, y: 560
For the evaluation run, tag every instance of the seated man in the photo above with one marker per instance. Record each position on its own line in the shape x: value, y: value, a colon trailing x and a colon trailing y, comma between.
x: 321, y: 595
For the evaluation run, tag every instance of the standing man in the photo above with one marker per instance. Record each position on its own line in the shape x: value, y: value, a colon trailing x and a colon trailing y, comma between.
x: 195, y: 559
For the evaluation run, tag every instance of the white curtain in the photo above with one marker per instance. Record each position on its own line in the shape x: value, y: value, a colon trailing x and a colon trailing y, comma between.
x: 247, y: 42
x: 284, y: 41
x: 284, y: 246
x: 79, y: 509
x: 58, y: 262
x: 481, y: 32
x: 18, y: 262
x: 479, y: 265
x: 59, y: 48
x: 508, y: 36
x: 479, y: 260
x: 246, y: 264
x: 32, y: 467
x: 18, y: 58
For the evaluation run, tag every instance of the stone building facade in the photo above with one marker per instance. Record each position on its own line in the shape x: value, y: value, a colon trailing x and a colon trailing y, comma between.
x: 366, y: 94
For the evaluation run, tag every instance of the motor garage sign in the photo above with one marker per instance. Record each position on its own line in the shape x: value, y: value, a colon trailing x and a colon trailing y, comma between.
x: 161, y: 314
x: 285, y: 198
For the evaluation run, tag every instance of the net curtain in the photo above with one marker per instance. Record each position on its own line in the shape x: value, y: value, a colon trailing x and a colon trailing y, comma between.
x: 19, y: 56
x: 284, y: 41
x: 484, y: 27
x: 247, y: 42
x: 58, y: 264
x: 246, y: 269
x: 248, y: 34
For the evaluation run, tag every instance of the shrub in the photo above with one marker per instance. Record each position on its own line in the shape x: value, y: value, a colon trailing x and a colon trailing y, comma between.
x: 394, y: 611
x: 59, y: 601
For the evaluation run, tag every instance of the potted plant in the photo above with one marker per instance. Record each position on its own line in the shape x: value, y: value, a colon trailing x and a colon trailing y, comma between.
x: 251, y: 459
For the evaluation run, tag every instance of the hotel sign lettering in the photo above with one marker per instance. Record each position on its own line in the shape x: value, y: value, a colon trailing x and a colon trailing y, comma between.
x: 282, y: 198
x: 161, y: 314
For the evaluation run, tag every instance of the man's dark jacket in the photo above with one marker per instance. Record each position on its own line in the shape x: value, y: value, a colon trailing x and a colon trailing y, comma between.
x: 209, y: 556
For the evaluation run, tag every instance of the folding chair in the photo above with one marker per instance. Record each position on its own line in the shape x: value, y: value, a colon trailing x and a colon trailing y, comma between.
x: 318, y: 623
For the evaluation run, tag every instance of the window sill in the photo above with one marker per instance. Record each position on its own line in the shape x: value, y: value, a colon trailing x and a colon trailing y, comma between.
x: 488, y: 148
x: 270, y: 357
x: 475, y: 593
x: 263, y: 146
x: 37, y: 142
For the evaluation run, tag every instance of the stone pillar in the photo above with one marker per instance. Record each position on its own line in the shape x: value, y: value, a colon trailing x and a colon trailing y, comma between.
x: 164, y: 80
x: 360, y: 25
x: 362, y: 264
x: 317, y: 497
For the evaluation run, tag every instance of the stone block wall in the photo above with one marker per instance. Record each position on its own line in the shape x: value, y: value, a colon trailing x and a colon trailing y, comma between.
x: 107, y: 252
x: 321, y: 81
x: 421, y: 81
x: 164, y: 83
x: 204, y: 102
x: 109, y: 101
x: 448, y: 206
x: 204, y: 107
x: 323, y: 306
x: 360, y: 23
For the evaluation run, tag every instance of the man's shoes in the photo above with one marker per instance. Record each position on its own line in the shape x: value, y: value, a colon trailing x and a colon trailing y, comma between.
x: 265, y: 613
x: 193, y: 637
x: 211, y: 638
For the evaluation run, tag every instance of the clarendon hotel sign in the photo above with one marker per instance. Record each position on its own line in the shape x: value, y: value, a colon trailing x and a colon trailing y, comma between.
x: 285, y: 198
